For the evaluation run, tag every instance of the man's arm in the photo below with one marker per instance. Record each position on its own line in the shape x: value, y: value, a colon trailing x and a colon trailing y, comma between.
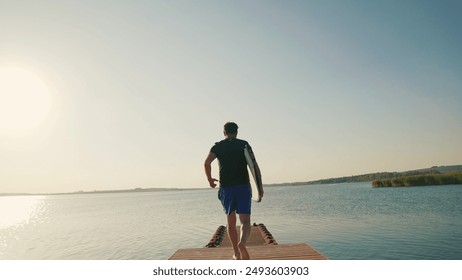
x: 208, y: 169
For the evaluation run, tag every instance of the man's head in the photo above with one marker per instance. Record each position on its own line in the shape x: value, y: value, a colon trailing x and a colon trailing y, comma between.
x: 230, y: 129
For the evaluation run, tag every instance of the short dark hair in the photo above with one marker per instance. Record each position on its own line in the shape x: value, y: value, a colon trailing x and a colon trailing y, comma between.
x: 231, y: 128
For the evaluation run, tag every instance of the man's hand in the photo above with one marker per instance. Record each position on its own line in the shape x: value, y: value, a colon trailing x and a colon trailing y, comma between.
x: 212, y: 182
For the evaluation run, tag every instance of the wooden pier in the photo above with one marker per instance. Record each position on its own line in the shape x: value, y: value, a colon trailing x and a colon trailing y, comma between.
x: 261, y: 245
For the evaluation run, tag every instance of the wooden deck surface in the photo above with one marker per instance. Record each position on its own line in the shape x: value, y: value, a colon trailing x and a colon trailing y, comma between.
x: 260, y: 245
x: 261, y: 252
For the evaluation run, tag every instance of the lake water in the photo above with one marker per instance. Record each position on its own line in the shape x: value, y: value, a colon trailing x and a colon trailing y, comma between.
x: 343, y: 221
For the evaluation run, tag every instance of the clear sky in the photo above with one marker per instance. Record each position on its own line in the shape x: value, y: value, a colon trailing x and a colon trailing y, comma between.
x: 98, y: 95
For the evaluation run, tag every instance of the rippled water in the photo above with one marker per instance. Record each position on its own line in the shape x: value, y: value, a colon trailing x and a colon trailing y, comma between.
x: 343, y: 221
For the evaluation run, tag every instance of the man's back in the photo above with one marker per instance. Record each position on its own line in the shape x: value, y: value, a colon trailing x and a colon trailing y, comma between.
x: 233, y: 165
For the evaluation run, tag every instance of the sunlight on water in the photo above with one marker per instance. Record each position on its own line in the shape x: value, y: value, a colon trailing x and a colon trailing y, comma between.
x: 19, y: 210
x: 344, y: 221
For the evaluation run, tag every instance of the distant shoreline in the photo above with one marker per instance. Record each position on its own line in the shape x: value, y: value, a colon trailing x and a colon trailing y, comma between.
x: 370, y: 177
x: 420, y: 180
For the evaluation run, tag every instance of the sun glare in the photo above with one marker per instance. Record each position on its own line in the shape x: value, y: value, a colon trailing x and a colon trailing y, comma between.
x: 25, y: 101
x: 19, y: 210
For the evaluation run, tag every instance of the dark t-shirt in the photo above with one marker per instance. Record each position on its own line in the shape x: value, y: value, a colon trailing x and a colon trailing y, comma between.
x: 232, y: 162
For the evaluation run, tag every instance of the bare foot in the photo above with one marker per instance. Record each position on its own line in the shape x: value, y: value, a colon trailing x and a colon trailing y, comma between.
x: 243, y: 250
x: 237, y: 254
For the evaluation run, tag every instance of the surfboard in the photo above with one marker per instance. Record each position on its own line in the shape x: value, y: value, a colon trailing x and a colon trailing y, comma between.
x: 257, y: 187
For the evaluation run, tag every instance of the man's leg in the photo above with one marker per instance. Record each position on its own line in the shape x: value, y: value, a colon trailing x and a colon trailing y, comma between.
x: 245, y: 232
x: 232, y: 234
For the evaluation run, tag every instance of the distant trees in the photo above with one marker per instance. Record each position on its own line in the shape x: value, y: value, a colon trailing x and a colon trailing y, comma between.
x: 368, y: 177
x: 420, y: 180
x: 384, y: 179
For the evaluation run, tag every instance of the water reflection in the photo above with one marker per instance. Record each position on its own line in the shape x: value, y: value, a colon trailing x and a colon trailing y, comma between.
x: 20, y: 210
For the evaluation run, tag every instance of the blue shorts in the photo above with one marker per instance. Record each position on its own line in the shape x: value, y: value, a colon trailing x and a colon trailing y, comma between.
x: 236, y: 198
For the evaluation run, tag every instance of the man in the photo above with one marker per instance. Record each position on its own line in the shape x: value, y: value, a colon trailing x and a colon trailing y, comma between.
x: 235, y: 193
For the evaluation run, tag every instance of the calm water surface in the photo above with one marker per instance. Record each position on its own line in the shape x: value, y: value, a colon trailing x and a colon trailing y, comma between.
x: 343, y: 221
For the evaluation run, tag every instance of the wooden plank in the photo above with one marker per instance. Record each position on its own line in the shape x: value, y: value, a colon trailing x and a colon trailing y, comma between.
x: 259, y: 252
x: 260, y: 245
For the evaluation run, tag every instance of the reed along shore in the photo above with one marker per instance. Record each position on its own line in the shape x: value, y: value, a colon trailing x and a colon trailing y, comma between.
x: 420, y: 180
